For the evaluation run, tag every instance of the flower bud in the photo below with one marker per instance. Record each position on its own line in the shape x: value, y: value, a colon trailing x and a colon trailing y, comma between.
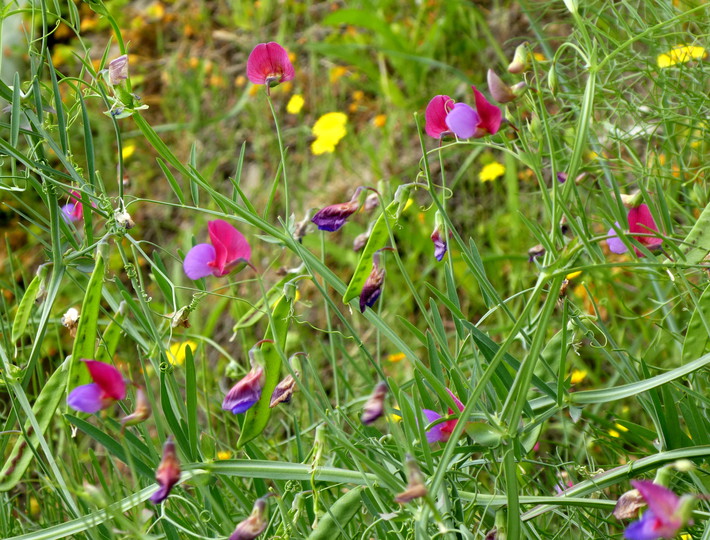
x: 500, y: 91
x: 375, y: 405
x: 440, y: 245
x: 535, y: 252
x: 371, y: 202
x: 415, y: 483
x: 628, y: 505
x: 246, y: 392
x: 373, y: 285
x: 333, y: 217
x: 70, y: 320
x: 168, y: 472
x: 118, y: 70
x: 360, y: 241
x: 254, y: 525
x: 141, y: 412
x: 520, y: 59
x: 283, y: 391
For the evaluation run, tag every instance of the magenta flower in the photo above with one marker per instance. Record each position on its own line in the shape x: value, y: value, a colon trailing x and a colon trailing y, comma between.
x: 441, y: 431
x: 108, y: 386
x: 246, y: 392
x: 463, y: 121
x: 73, y: 211
x: 168, y: 473
x: 229, y: 249
x: 333, y: 217
x: 435, y: 116
x: 490, y: 115
x: 268, y: 64
x: 666, y: 515
x: 640, y: 222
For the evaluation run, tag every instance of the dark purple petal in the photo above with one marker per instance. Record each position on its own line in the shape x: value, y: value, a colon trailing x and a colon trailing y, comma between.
x: 644, y: 529
x: 433, y: 434
x: 332, y: 217
x: 561, y: 177
x: 440, y: 246
x: 463, y: 121
x: 199, y: 261
x: 245, y: 393
x: 168, y: 473
x: 614, y: 242
x: 86, y: 398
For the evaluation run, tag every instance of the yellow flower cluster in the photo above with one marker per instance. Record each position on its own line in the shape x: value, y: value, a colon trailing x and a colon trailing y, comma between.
x: 679, y: 55
x: 295, y: 104
x: 328, y: 130
x: 491, y: 172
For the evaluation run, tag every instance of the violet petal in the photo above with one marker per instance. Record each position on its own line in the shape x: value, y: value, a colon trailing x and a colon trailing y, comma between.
x: 197, y: 261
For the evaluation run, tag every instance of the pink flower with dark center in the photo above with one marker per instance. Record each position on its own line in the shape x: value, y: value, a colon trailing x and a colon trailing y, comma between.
x: 168, y: 473
x: 490, y: 115
x: 666, y: 515
x: 228, y: 250
x: 441, y: 431
x: 268, y: 64
x: 108, y: 386
x: 435, y: 116
x: 641, y: 222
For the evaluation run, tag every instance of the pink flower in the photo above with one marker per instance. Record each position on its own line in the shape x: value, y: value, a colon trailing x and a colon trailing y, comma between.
x: 640, y: 222
x: 168, y: 473
x: 441, y: 431
x: 491, y: 116
x: 666, y: 515
x: 268, y: 64
x: 108, y: 386
x: 435, y: 116
x: 73, y: 211
x: 229, y: 248
x: 463, y: 121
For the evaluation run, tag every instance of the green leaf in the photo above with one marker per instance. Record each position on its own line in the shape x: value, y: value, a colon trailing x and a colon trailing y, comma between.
x: 697, y: 337
x: 25, y: 308
x: 697, y: 244
x: 111, y: 337
x: 379, y: 237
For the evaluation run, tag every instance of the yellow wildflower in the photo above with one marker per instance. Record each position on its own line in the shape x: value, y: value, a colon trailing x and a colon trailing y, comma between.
x: 396, y: 416
x: 336, y: 73
x: 491, y: 172
x: 578, y: 375
x: 295, y: 104
x: 358, y: 95
x: 621, y: 428
x: 177, y: 352
x: 128, y: 150
x: 573, y: 275
x: 396, y: 357
x: 328, y: 129
x: 240, y: 81
x: 539, y: 57
x: 679, y: 55
x: 614, y: 433
x: 224, y: 454
x: 380, y: 120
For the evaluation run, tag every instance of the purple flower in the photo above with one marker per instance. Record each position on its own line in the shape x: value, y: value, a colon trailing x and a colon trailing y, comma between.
x: 73, y: 211
x: 141, y: 412
x: 500, y: 91
x: 372, y: 288
x: 246, y: 392
x: 440, y: 245
x: 441, y: 431
x: 254, y: 525
x: 268, y: 64
x: 614, y: 242
x: 108, y: 386
x: 463, y: 121
x: 435, y: 116
x: 641, y: 224
x: 283, y: 391
x: 118, y: 70
x: 332, y: 217
x: 229, y: 248
x: 375, y: 405
x: 666, y: 515
x: 168, y: 472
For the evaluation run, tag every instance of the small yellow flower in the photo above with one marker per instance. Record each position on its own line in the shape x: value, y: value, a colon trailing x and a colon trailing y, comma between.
x: 224, y: 454
x: 177, y: 352
x: 540, y: 57
x: 337, y: 73
x: 491, y: 172
x: 578, y: 375
x: 127, y: 150
x: 679, y: 55
x: 380, y: 120
x: 573, y: 275
x: 358, y: 95
x: 240, y: 81
x: 328, y: 129
x: 614, y: 433
x: 396, y: 357
x: 295, y: 104
x: 396, y: 416
x: 621, y: 428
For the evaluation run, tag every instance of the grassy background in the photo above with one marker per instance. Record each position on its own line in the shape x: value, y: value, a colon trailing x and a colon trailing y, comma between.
x: 486, y: 322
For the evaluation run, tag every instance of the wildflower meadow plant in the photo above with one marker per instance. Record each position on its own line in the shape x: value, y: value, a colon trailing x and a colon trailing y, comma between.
x: 107, y: 388
x: 228, y: 251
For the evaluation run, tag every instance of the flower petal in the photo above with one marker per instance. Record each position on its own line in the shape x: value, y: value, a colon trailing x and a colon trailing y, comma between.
x: 108, y: 378
x: 463, y: 121
x: 661, y: 500
x: 646, y: 528
x: 456, y: 400
x: 199, y: 261
x: 230, y: 245
x: 86, y: 398
x: 614, y: 242
x: 490, y: 115
x: 641, y: 221
x: 435, y: 116
x: 269, y: 62
x: 245, y: 393
x: 333, y: 217
x: 433, y: 434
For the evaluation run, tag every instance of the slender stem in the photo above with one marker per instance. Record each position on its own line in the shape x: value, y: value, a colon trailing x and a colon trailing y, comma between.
x: 283, y: 160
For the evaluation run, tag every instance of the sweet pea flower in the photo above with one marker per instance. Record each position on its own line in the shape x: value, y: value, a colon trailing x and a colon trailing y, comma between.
x: 73, y: 211
x: 463, y: 121
x: 372, y: 289
x: 435, y: 116
x: 500, y: 91
x: 490, y: 115
x: 641, y: 222
x: 168, y: 472
x: 375, y: 405
x: 333, y: 217
x: 118, y: 70
x: 229, y: 249
x: 440, y: 245
x: 108, y: 386
x: 268, y: 64
x: 254, y: 525
x: 441, y: 431
x: 416, y: 487
x: 666, y: 515
x: 247, y: 391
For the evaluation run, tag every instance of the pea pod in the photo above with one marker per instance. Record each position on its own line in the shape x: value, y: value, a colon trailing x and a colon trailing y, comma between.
x: 338, y: 516
x: 111, y: 337
x: 379, y: 237
x: 24, y: 310
x: 697, y: 336
x: 697, y: 244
